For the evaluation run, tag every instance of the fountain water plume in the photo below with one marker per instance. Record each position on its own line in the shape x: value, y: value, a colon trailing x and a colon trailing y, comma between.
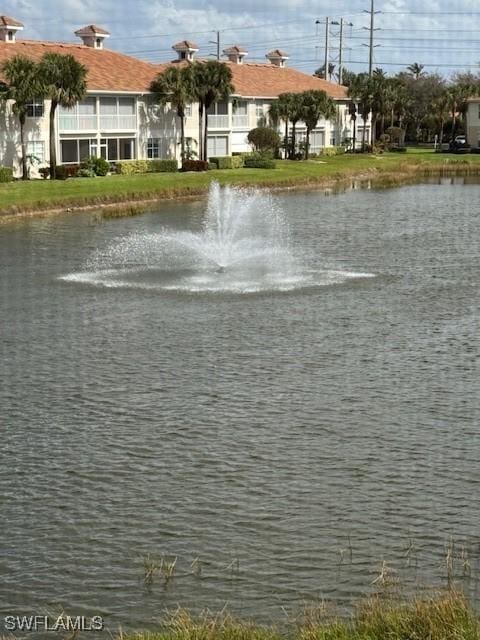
x: 243, y: 247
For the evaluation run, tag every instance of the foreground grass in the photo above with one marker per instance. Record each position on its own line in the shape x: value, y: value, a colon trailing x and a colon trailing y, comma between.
x: 33, y: 196
x: 445, y: 616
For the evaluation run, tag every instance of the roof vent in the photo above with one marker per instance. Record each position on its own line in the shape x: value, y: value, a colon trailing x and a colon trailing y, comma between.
x: 236, y: 54
x: 186, y: 50
x: 277, y: 57
x: 8, y: 29
x: 93, y: 36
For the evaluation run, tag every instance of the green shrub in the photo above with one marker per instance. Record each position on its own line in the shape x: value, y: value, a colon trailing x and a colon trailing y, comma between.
x: 129, y: 167
x: 195, y: 165
x: 160, y: 166
x: 212, y: 166
x: 227, y: 162
x: 6, y: 174
x: 259, y: 163
x: 397, y: 149
x: 332, y: 151
x: 61, y: 172
x: 264, y: 139
x: 86, y: 173
x: 44, y: 172
x: 98, y: 165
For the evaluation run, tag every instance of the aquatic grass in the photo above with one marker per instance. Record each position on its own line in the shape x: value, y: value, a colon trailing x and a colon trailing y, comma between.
x: 439, y: 616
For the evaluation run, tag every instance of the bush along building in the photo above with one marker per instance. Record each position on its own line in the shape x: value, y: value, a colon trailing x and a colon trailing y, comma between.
x: 118, y: 118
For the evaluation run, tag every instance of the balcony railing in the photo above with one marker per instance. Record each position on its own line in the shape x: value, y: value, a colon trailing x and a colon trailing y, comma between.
x: 218, y: 122
x: 76, y: 122
x: 118, y: 123
x: 240, y: 121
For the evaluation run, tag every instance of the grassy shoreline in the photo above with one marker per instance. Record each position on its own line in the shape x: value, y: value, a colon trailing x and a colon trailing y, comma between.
x: 124, y: 193
x: 441, y: 616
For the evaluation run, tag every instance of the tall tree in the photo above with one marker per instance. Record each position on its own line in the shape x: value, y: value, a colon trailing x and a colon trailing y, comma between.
x: 361, y: 91
x: 64, y: 80
x: 212, y: 82
x: 315, y: 105
x: 280, y: 110
x: 416, y: 70
x: 175, y: 87
x: 22, y: 87
x: 294, y: 109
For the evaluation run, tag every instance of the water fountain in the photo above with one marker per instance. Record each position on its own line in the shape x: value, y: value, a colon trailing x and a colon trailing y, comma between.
x: 243, y: 247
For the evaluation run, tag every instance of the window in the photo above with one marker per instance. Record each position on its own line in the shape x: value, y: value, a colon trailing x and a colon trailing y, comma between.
x: 69, y: 150
x: 10, y: 36
x: 126, y: 106
x: 188, y: 110
x: 259, y: 110
x: 153, y: 148
x: 35, y: 109
x: 108, y: 106
x: 88, y: 107
x: 218, y: 109
x: 241, y: 108
x: 36, y: 148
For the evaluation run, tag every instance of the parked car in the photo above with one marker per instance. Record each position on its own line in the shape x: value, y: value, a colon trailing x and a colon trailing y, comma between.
x: 459, y: 143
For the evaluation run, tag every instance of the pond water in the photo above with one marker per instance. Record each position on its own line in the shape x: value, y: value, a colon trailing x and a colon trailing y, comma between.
x: 279, y: 440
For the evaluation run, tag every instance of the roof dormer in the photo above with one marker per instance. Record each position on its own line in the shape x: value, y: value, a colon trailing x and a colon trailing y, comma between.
x: 236, y: 53
x: 93, y: 36
x: 8, y: 29
x: 186, y: 50
x: 277, y: 57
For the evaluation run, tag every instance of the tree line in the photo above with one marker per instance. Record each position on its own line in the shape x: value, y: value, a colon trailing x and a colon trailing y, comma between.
x: 419, y: 104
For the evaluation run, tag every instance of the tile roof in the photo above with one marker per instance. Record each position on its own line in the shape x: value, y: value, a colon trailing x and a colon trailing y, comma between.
x: 185, y: 45
x: 91, y: 30
x: 277, y: 53
x: 6, y: 21
x: 235, y: 49
x: 107, y: 70
x: 112, y: 71
x: 269, y: 81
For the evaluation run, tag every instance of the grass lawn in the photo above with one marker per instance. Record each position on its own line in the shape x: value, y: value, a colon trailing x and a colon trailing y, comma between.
x: 39, y: 195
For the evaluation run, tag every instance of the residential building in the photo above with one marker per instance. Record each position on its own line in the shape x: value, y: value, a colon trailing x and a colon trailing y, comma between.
x: 119, y: 119
x: 473, y: 122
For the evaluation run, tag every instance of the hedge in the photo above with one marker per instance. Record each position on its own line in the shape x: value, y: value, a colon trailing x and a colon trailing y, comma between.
x: 195, y: 165
x: 162, y: 166
x: 228, y: 162
x: 129, y: 167
x: 259, y: 163
x: 6, y: 174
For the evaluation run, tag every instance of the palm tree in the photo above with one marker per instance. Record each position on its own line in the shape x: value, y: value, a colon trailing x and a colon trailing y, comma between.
x: 315, y: 105
x: 212, y: 81
x: 361, y: 92
x: 294, y: 110
x: 22, y: 88
x: 64, y: 81
x: 175, y: 86
x: 416, y: 70
x: 280, y: 110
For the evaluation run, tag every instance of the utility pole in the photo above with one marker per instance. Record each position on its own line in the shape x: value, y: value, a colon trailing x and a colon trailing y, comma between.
x: 326, y: 48
x: 370, y: 45
x: 217, y: 42
x: 340, y: 69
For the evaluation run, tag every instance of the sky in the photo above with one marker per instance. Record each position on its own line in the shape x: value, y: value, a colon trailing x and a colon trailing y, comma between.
x: 444, y: 35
